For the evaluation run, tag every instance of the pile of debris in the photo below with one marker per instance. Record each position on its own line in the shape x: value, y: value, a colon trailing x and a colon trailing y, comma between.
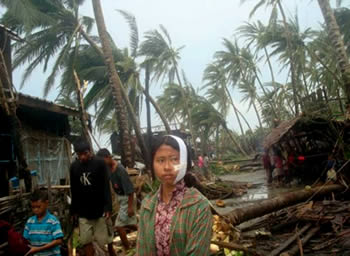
x: 224, y: 189
x: 284, y: 226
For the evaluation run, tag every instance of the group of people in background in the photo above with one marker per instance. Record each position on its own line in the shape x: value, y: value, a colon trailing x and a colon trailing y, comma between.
x: 175, y: 220
x: 279, y: 165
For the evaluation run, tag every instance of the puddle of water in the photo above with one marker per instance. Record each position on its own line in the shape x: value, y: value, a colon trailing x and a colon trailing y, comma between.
x: 260, y: 192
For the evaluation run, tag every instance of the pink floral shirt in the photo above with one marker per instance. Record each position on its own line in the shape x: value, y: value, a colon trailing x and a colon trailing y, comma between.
x: 164, y: 215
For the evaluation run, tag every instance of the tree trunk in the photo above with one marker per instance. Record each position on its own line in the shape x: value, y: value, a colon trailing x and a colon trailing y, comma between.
x: 239, y: 112
x: 234, y: 110
x: 265, y: 93
x: 188, y: 111
x: 240, y: 215
x: 81, y: 107
x: 257, y: 114
x: 291, y: 58
x: 128, y: 104
x: 217, y: 140
x: 233, y: 139
x: 338, y: 42
x: 115, y: 84
x: 270, y: 67
x: 157, y: 108
x: 148, y: 110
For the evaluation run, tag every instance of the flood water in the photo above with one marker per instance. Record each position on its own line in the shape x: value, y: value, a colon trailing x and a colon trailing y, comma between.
x: 259, y: 191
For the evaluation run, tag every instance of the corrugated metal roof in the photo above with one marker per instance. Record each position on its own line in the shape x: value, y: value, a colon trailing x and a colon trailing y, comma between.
x: 35, y: 102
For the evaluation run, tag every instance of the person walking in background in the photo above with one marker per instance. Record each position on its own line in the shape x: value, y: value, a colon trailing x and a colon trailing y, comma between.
x: 91, y: 196
x: 124, y: 189
x: 206, y: 165
x: 278, y: 172
x: 200, y: 161
x: 177, y: 219
x: 267, y: 165
x: 43, y: 230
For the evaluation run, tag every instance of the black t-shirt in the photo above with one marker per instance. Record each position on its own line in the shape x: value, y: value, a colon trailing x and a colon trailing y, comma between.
x: 90, y: 189
x: 121, y: 182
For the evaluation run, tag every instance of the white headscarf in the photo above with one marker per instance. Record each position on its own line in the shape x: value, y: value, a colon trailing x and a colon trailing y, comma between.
x: 182, y: 166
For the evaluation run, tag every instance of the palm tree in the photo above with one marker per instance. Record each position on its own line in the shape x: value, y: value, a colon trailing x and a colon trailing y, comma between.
x: 158, y: 50
x: 338, y: 43
x: 50, y: 28
x: 248, y: 89
x: 276, y: 5
x: 172, y: 102
x: 66, y: 24
x: 238, y: 64
x: 259, y: 35
x: 207, y: 117
x: 134, y: 46
x: 119, y: 94
x: 218, y: 92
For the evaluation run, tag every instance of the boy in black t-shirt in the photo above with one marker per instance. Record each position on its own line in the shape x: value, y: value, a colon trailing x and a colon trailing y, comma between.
x: 124, y: 189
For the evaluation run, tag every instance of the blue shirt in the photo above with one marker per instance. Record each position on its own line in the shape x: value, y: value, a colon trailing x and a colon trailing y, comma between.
x: 39, y: 233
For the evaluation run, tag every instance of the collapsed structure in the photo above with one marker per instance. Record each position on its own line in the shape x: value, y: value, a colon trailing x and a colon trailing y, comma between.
x: 309, y: 143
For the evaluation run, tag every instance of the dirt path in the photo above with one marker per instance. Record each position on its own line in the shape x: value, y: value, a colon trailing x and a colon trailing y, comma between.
x: 260, y: 190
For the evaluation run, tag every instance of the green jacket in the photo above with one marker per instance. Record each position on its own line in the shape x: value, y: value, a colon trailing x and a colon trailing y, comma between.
x: 190, y: 231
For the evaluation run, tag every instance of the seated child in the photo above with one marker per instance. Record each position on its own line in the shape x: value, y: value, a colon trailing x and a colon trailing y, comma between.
x: 43, y: 230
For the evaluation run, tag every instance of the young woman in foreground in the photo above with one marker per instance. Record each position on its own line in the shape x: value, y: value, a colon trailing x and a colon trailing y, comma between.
x: 176, y: 220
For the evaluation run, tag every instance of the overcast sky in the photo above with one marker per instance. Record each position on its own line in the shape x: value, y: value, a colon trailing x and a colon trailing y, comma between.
x: 200, y: 25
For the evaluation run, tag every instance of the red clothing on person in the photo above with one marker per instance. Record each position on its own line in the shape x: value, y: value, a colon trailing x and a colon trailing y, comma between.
x: 164, y: 216
x: 266, y: 161
x: 278, y: 162
x: 200, y: 162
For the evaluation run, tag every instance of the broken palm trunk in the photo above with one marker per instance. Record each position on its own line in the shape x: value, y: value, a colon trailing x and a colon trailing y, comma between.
x: 240, y: 215
x: 83, y: 114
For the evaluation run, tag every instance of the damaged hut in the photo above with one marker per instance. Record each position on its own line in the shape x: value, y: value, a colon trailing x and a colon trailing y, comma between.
x: 310, y: 146
x: 34, y: 133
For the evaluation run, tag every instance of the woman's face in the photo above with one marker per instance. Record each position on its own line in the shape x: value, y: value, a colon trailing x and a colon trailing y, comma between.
x: 164, y: 162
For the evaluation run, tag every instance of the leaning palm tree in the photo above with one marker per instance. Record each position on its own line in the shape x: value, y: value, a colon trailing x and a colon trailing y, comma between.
x: 218, y: 92
x: 49, y: 29
x: 157, y: 49
x: 205, y: 115
x: 146, y: 65
x: 118, y: 92
x: 172, y: 101
x: 248, y: 90
x: 238, y: 64
x: 259, y: 36
x: 276, y: 6
x: 337, y: 41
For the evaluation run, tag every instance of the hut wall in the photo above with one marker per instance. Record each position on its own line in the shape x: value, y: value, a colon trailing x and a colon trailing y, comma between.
x: 47, y: 154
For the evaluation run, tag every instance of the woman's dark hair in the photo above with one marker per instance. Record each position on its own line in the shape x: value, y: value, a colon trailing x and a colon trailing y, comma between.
x: 157, y: 141
x: 190, y: 179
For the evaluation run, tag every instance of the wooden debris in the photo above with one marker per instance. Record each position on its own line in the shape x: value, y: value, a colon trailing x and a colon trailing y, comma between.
x: 296, y: 248
x: 234, y: 246
x: 283, y: 246
x: 240, y: 215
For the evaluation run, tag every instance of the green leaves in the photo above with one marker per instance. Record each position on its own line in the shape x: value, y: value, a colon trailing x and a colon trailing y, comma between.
x: 134, y: 34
